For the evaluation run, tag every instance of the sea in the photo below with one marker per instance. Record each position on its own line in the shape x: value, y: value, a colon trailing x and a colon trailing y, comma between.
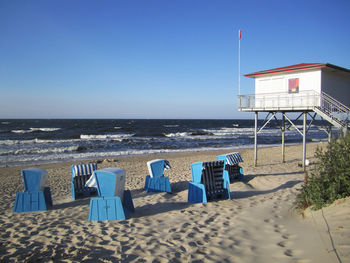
x: 32, y: 141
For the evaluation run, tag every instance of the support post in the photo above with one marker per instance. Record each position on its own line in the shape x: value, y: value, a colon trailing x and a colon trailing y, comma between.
x: 256, y: 140
x: 304, y: 139
x: 330, y: 133
x: 283, y: 134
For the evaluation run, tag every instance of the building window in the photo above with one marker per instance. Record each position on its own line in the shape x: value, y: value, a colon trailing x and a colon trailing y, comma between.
x: 293, y: 85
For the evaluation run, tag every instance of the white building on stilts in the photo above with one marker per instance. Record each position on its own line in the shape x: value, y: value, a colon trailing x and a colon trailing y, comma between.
x: 309, y: 89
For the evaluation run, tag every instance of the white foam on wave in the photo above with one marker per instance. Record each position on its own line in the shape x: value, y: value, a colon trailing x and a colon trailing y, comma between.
x: 177, y: 134
x: 115, y: 137
x: 224, y: 132
x: 36, y: 141
x: 21, y: 131
x: 38, y: 150
x: 36, y: 129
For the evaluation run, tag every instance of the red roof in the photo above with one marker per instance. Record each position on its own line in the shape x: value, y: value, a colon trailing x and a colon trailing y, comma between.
x: 297, y: 67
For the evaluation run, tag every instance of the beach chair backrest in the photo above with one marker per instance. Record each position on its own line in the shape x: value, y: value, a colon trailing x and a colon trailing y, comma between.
x: 231, y: 158
x: 221, y: 157
x: 232, y: 169
x: 156, y: 168
x: 196, y: 169
x: 110, y: 182
x: 34, y: 179
x: 83, y: 169
x: 212, y: 177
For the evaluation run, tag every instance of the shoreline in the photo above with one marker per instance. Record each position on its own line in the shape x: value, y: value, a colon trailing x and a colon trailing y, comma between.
x: 258, y: 223
x: 161, y: 152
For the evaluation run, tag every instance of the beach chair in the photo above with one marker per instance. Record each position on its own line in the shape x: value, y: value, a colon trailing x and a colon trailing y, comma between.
x: 208, y: 182
x: 36, y: 196
x: 113, y: 203
x: 155, y: 180
x: 80, y: 174
x: 232, y: 169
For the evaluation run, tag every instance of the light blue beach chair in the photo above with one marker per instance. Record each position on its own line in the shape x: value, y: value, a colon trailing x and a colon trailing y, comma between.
x: 80, y: 174
x: 155, y: 180
x: 208, y: 182
x: 36, y: 196
x: 113, y: 203
x: 232, y: 169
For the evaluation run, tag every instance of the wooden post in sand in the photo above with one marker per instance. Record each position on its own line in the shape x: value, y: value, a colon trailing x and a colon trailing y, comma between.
x: 256, y: 140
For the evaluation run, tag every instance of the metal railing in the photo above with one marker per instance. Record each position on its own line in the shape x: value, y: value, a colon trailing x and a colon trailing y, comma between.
x: 279, y: 101
x: 334, y: 109
x: 304, y: 100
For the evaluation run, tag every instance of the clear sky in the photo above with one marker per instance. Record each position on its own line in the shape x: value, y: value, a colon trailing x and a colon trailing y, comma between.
x: 155, y: 58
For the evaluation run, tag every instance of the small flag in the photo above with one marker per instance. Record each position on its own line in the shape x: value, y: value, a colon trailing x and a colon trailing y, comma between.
x: 239, y: 34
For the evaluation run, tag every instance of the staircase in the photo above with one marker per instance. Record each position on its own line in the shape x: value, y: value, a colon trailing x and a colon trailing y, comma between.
x: 334, y: 112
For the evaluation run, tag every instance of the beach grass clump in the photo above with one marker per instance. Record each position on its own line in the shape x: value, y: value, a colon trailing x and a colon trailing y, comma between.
x: 329, y: 179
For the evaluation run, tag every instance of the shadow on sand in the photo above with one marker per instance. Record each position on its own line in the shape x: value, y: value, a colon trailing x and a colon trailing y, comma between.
x: 250, y: 193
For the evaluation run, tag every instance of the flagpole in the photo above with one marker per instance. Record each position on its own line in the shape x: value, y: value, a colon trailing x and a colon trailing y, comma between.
x: 239, y: 62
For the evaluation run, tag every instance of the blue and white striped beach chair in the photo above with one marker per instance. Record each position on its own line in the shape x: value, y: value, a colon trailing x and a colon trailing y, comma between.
x: 232, y: 169
x: 208, y: 182
x: 80, y: 174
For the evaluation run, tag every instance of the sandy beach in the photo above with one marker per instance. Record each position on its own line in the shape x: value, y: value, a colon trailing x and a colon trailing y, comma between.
x: 259, y: 223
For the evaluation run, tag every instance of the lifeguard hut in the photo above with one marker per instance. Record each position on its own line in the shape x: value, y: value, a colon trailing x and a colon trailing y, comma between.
x: 308, y: 89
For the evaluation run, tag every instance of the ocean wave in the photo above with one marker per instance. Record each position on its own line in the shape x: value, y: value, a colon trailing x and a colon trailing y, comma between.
x: 36, y: 129
x: 39, y: 150
x: 74, y: 155
x: 201, y: 133
x: 36, y: 141
x: 106, y: 137
x: 226, y: 132
x: 177, y: 134
x: 149, y: 135
x: 81, y: 139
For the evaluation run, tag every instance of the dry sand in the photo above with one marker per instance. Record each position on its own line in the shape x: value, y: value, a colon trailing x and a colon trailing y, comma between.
x: 258, y: 224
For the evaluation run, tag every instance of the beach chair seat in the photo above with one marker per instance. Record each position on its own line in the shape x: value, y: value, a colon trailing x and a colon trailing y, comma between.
x: 36, y: 196
x: 113, y: 203
x: 80, y: 175
x: 156, y: 181
x: 232, y: 168
x: 208, y: 182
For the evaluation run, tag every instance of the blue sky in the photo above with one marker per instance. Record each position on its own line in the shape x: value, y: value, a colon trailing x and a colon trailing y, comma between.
x: 155, y: 59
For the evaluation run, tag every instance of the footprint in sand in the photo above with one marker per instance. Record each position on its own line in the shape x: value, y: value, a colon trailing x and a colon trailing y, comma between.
x: 191, y: 235
x: 269, y: 220
x: 286, y: 236
x: 291, y: 252
x: 279, y: 228
x: 283, y: 243
x: 277, y: 207
x: 278, y: 216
